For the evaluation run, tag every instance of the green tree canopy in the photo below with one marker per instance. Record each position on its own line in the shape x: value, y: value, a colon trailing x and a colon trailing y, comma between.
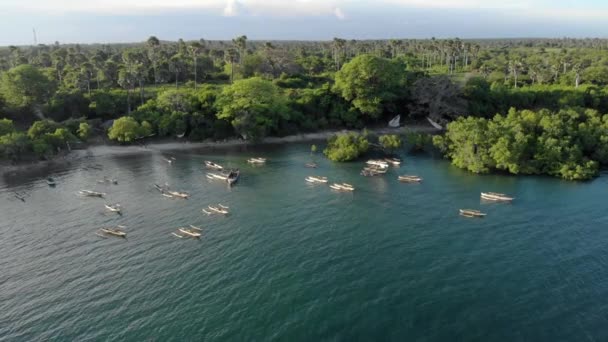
x: 25, y: 86
x: 254, y: 106
x: 6, y: 126
x: 371, y: 83
x: 346, y: 147
x: 126, y: 129
x: 390, y: 141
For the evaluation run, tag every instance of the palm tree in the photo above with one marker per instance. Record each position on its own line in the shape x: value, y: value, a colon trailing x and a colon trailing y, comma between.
x: 241, y: 44
x: 338, y: 45
x: 176, y: 64
x: 153, y: 45
x: 194, y: 49
x: 230, y: 56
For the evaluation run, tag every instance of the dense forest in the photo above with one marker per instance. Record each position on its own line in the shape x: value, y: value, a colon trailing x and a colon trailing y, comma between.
x: 492, y: 93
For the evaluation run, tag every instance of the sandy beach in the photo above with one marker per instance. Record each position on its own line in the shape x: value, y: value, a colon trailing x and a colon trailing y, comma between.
x: 98, y: 150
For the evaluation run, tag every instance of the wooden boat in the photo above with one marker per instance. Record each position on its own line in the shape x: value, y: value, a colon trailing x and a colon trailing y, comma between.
x: 471, y: 213
x: 410, y: 179
x: 233, y: 176
x: 114, y: 232
x: 342, y: 187
x: 379, y: 163
x: 213, y: 166
x: 256, y: 160
x: 114, y: 207
x: 393, y: 161
x: 50, y: 181
x: 218, y: 210
x: 311, y: 165
x: 376, y: 169
x: 190, y: 233
x: 90, y: 193
x: 216, y: 176
x: 316, y: 179
x: 496, y: 197
x: 178, y: 194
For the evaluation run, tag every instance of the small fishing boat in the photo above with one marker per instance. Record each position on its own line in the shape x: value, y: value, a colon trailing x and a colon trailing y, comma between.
x: 496, y: 197
x: 114, y: 232
x: 378, y: 163
x: 233, y: 176
x: 51, y: 182
x: 218, y: 210
x: 471, y: 213
x: 393, y: 161
x: 256, y: 160
x: 178, y: 194
x: 342, y: 187
x: 216, y: 176
x: 190, y: 232
x: 316, y: 179
x: 375, y: 169
x: 311, y: 165
x: 114, y: 208
x: 410, y: 179
x: 107, y: 180
x: 90, y: 193
x: 213, y: 166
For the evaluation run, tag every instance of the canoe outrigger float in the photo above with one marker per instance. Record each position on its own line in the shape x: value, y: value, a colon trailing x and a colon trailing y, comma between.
x: 213, y: 166
x: 410, y: 179
x: 471, y: 213
x: 316, y: 179
x: 90, y: 193
x: 496, y: 197
x: 256, y: 160
x: 342, y: 187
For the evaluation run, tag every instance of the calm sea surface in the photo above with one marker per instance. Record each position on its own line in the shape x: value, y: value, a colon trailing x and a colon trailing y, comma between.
x: 295, y: 262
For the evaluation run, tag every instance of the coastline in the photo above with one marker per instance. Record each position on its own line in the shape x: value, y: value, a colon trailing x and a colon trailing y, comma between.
x: 100, y: 149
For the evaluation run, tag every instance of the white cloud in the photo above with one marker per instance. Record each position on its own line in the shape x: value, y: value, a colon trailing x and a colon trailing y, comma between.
x: 232, y: 8
x: 465, y: 4
x: 339, y: 13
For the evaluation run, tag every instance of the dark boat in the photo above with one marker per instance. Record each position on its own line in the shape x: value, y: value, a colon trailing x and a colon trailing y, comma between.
x: 51, y: 182
x: 233, y: 176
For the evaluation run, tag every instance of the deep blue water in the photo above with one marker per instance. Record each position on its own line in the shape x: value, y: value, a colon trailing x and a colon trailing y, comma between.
x: 295, y: 262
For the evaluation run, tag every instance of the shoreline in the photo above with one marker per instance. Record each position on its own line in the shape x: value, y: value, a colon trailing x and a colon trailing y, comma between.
x: 99, y: 150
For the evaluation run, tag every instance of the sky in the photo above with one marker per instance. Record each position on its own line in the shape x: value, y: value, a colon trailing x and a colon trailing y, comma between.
x: 108, y: 21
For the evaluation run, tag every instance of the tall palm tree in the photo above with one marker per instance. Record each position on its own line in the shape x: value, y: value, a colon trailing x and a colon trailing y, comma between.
x: 230, y: 56
x: 153, y: 45
x: 194, y: 49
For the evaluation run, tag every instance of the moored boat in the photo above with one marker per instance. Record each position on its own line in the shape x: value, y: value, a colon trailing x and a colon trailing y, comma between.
x: 114, y: 232
x: 316, y: 179
x: 218, y: 210
x: 495, y: 196
x: 393, y: 161
x: 190, y: 232
x: 51, y: 182
x: 212, y: 165
x: 342, y: 187
x: 233, y: 176
x: 410, y: 179
x: 378, y: 163
x: 256, y: 160
x: 116, y: 208
x: 471, y: 213
x: 90, y: 193
x: 178, y: 194
x: 311, y: 165
x: 216, y: 176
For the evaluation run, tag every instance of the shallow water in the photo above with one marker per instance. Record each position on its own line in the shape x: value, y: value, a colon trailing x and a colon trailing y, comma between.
x: 295, y: 262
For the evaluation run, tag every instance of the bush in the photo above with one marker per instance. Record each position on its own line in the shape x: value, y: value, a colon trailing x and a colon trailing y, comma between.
x: 126, y: 129
x: 346, y: 147
x: 84, y: 131
x: 390, y: 141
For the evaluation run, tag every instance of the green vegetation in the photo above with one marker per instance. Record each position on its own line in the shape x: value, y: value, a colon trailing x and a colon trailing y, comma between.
x: 390, y: 142
x: 346, y: 147
x: 570, y: 143
x: 202, y: 90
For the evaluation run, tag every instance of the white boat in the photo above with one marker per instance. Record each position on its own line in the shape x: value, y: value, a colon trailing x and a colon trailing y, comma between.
x: 434, y: 124
x: 394, y: 123
x: 190, y: 233
x: 217, y: 176
x: 311, y: 165
x: 178, y: 194
x: 342, y: 187
x: 114, y: 208
x: 218, y: 210
x: 471, y: 213
x: 256, y: 160
x: 378, y: 163
x: 497, y: 197
x: 377, y: 170
x: 114, y: 232
x: 213, y: 166
x: 393, y: 161
x: 316, y: 179
x: 90, y: 193
x: 168, y: 196
x: 410, y: 179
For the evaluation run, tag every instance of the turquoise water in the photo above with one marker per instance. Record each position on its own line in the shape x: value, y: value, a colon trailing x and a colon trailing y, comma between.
x: 295, y: 262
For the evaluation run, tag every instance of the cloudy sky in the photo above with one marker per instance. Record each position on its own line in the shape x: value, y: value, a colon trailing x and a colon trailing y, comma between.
x: 89, y: 21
